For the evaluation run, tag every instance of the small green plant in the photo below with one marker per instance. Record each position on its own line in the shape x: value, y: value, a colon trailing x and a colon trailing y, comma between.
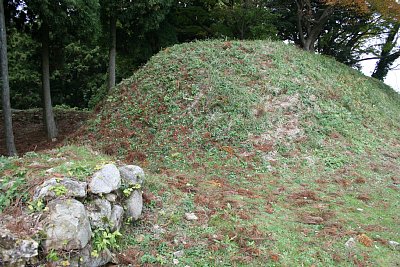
x: 127, y: 190
x: 104, y: 239
x: 59, y: 190
x: 10, y: 189
x: 52, y: 256
x: 36, y: 205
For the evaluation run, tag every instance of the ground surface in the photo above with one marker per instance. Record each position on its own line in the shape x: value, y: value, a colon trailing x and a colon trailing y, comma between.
x: 286, y: 158
x: 29, y: 131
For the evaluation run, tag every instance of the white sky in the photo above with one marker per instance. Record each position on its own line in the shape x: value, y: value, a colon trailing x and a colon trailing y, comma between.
x: 368, y: 66
x: 393, y: 77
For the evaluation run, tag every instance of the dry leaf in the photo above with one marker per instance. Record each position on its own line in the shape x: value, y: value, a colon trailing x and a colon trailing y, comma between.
x: 274, y: 257
x: 365, y: 240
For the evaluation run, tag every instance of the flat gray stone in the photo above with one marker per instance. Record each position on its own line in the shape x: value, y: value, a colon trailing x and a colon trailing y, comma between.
x: 66, y: 225
x: 351, y: 243
x: 111, y: 197
x: 394, y: 245
x: 191, y: 216
x: 134, y: 204
x: 132, y: 174
x: 99, y: 213
x: 106, y: 180
x: 73, y: 189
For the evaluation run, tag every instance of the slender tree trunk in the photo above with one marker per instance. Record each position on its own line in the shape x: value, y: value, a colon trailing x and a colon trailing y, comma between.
x: 7, y: 115
x: 49, y: 121
x: 112, y: 52
x: 387, y: 58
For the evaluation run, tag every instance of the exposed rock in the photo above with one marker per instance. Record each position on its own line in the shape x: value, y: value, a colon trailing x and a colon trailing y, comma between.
x: 106, y: 180
x: 132, y: 174
x: 89, y: 260
x: 351, y: 243
x: 48, y: 191
x: 111, y: 197
x: 15, y: 251
x: 50, y: 171
x: 134, y: 204
x: 116, y: 219
x: 66, y: 225
x: 395, y: 245
x: 191, y: 217
x: 178, y: 253
x: 158, y: 229
x: 99, y: 213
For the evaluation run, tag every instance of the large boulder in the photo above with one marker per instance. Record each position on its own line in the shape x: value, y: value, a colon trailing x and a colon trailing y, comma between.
x: 132, y: 174
x: 106, y: 180
x: 99, y: 213
x: 71, y: 188
x: 15, y: 251
x: 66, y: 225
x: 134, y: 204
x: 117, y: 214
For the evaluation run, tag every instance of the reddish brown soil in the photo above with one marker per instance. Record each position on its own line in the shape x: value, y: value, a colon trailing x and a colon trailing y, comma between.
x: 29, y: 131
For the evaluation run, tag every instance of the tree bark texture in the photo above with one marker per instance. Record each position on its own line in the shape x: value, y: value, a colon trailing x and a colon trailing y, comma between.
x: 112, y: 52
x: 7, y: 115
x: 387, y: 57
x: 310, y: 23
x: 50, y: 124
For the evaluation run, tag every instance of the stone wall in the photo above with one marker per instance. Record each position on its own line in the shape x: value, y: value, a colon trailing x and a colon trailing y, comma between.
x: 65, y: 215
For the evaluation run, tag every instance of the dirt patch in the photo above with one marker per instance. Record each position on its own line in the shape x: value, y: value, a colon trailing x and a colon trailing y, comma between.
x: 311, y: 219
x: 286, y: 126
x: 29, y: 133
x: 306, y: 194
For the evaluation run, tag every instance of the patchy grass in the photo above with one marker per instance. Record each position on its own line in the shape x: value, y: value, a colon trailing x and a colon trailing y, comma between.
x: 282, y: 155
x: 20, y: 175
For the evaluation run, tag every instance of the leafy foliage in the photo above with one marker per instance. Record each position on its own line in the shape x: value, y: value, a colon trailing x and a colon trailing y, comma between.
x: 10, y: 189
x: 223, y: 19
x: 24, y: 70
x: 104, y: 239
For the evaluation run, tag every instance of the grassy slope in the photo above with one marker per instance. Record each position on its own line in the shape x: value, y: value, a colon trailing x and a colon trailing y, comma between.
x: 278, y: 151
x: 283, y: 156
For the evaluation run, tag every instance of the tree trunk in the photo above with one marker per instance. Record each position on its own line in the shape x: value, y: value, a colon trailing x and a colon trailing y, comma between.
x: 387, y: 58
x: 7, y: 115
x: 310, y: 24
x: 48, y: 114
x: 112, y: 52
x: 309, y: 44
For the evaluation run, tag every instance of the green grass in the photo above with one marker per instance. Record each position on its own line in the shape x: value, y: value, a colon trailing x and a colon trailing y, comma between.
x: 269, y: 119
x: 282, y: 155
x: 20, y: 175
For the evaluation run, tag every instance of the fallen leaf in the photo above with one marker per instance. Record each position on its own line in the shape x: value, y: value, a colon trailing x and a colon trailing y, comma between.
x: 365, y: 240
x: 228, y: 149
x: 274, y: 257
x: 269, y: 209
